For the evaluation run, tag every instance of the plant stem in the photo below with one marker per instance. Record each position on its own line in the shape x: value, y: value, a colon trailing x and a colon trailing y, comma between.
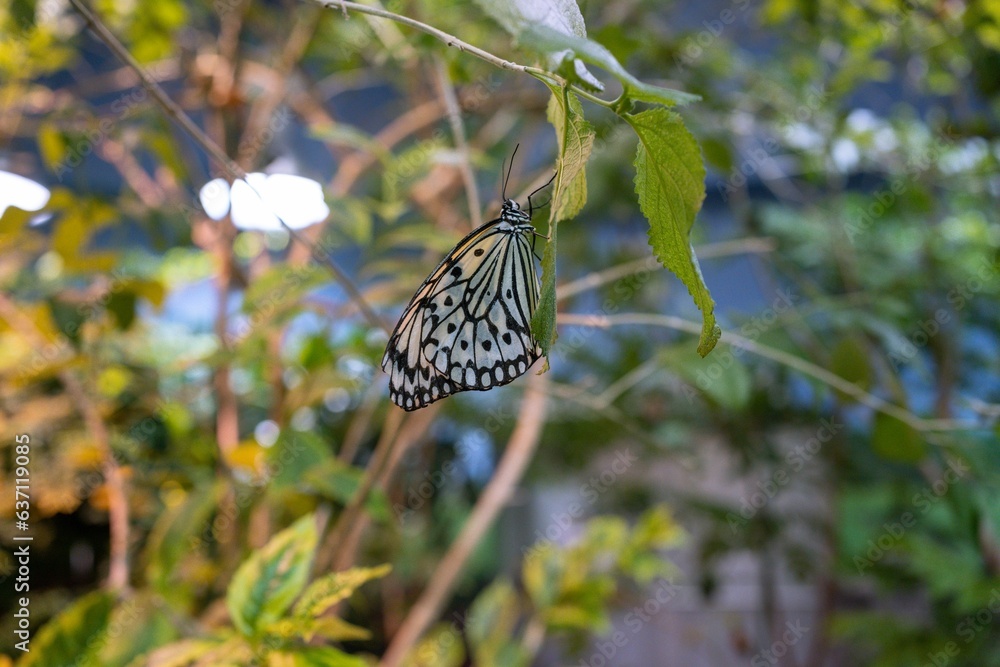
x: 807, y: 368
x: 233, y: 170
x: 452, y: 40
x: 461, y: 145
x: 498, y: 491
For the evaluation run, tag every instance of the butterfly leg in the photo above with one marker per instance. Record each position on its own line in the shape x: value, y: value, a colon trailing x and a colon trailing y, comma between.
x: 534, y: 236
x: 547, y: 184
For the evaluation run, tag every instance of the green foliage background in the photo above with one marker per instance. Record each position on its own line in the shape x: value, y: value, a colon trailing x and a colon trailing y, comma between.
x: 879, y: 234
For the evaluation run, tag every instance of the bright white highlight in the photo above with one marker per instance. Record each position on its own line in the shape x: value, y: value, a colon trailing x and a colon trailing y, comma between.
x: 298, y: 200
x: 21, y: 192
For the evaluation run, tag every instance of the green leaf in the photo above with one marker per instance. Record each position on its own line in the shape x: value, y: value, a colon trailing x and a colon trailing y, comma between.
x: 897, y: 441
x: 143, y: 624
x: 490, y: 626
x: 575, y: 138
x: 75, y: 636
x: 331, y: 589
x: 13, y: 222
x: 342, y: 134
x: 314, y: 656
x: 655, y: 530
x: 562, y: 17
x: 121, y: 306
x: 545, y: 38
x: 281, y: 288
x: 218, y: 651
x: 670, y: 182
x: 265, y: 585
x: 988, y: 502
x: 542, y: 574
x: 178, y: 533
x: 52, y: 145
x: 23, y: 13
x: 306, y: 629
x: 338, y: 481
x: 849, y: 360
x: 723, y: 378
x: 69, y: 318
x: 442, y: 647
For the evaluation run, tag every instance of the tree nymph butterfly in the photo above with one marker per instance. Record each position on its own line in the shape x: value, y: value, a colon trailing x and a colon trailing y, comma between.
x: 468, y: 327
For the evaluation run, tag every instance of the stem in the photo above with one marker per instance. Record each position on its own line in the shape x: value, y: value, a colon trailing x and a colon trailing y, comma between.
x: 650, y: 263
x: 414, y: 429
x: 452, y: 40
x: 445, y: 37
x: 458, y: 134
x: 498, y: 491
x: 233, y: 170
x: 790, y: 360
x: 336, y: 541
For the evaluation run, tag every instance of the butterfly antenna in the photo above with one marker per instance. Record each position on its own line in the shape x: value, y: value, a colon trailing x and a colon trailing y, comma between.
x: 509, y: 167
x: 547, y: 184
x: 503, y: 185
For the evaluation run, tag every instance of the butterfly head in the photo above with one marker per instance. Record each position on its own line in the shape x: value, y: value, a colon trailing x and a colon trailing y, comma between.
x: 512, y: 212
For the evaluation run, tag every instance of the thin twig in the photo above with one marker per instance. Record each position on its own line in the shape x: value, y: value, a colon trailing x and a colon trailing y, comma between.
x: 768, y: 352
x: 461, y: 45
x: 335, y: 543
x: 534, y: 635
x: 263, y: 109
x: 448, y: 39
x: 360, y: 421
x: 709, y: 250
x: 118, y: 510
x: 234, y: 170
x: 498, y: 491
x: 629, y: 380
x: 461, y: 145
x: 412, y: 431
x: 354, y: 165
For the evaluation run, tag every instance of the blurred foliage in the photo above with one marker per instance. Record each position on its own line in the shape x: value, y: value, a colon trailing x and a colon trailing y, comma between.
x: 861, y: 138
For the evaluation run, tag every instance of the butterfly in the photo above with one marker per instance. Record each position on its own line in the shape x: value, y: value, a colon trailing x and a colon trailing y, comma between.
x: 468, y: 327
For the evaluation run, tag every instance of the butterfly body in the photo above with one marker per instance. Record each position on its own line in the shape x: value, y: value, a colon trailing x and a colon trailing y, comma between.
x: 468, y: 327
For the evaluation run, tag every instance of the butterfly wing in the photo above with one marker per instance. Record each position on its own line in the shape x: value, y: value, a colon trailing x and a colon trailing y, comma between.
x: 468, y: 326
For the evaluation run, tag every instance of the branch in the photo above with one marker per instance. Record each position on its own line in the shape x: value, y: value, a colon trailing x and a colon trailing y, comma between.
x: 414, y: 429
x: 461, y: 145
x: 234, y: 170
x: 335, y: 540
x: 790, y: 360
x: 498, y: 491
x: 721, y: 249
x: 445, y: 37
x: 262, y: 111
x: 451, y: 40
